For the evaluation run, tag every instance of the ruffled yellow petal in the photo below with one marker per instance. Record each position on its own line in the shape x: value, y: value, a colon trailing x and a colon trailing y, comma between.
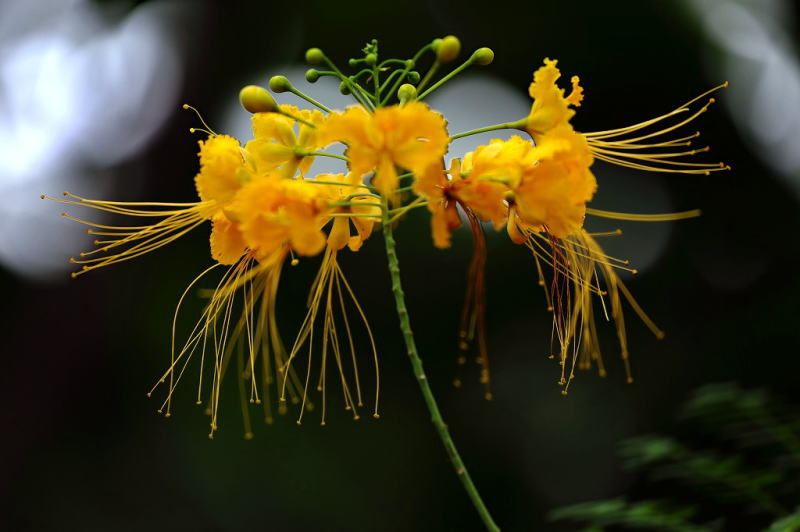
x: 411, y: 136
x: 550, y: 108
x: 227, y: 243
x: 220, y: 158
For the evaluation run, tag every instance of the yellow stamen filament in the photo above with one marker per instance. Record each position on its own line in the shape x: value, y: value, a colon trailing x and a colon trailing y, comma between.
x: 328, y: 290
x: 614, y: 147
x: 668, y: 217
x: 575, y: 262
x: 177, y: 219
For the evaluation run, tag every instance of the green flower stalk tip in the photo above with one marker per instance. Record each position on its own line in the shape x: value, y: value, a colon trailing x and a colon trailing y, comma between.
x: 483, y: 56
x: 279, y: 84
x: 448, y: 49
x: 413, y: 76
x: 312, y: 75
x: 256, y: 99
x: 344, y: 88
x: 314, y: 56
x: 371, y: 59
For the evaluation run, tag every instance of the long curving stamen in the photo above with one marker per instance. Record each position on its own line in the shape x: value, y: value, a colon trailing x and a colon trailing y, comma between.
x: 624, y: 147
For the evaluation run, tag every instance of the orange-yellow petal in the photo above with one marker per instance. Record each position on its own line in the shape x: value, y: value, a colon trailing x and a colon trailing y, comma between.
x: 227, y: 243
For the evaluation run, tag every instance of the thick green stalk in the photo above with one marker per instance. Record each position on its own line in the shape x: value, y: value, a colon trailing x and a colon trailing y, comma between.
x: 419, y: 374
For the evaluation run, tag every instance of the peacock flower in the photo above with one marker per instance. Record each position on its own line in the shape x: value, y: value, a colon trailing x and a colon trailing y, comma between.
x: 276, y: 214
x: 264, y: 210
x: 627, y: 146
x: 222, y: 170
x: 285, y: 139
x: 354, y: 205
x: 410, y: 136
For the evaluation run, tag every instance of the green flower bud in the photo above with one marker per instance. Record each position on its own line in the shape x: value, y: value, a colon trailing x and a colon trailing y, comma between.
x: 407, y: 92
x: 371, y: 59
x: 353, y: 62
x: 344, y: 89
x: 312, y: 75
x: 413, y: 77
x: 314, y: 56
x: 448, y: 49
x: 256, y: 99
x: 483, y: 56
x: 280, y: 84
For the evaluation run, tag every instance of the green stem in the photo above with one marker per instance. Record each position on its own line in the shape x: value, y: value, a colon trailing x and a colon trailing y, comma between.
x: 309, y: 99
x: 422, y: 380
x: 448, y: 77
x: 508, y: 125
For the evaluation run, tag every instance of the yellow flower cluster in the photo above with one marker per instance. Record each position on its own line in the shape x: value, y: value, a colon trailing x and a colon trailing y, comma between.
x: 266, y: 206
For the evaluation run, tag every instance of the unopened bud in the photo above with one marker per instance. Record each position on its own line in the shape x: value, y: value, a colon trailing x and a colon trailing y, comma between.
x: 406, y: 92
x: 413, y: 77
x: 280, y: 84
x: 256, y: 99
x: 344, y: 88
x: 314, y: 56
x: 371, y: 59
x: 312, y: 75
x: 483, y: 56
x: 448, y: 49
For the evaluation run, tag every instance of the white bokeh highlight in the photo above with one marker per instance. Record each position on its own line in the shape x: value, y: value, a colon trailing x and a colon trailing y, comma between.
x: 77, y: 94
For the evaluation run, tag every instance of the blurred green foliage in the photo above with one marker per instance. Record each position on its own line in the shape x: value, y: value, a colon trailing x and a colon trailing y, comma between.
x: 731, y: 465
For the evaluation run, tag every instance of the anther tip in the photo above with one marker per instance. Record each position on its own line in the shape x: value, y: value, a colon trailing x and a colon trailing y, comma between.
x: 167, y: 415
x: 356, y: 417
x: 42, y: 197
x: 376, y: 415
x: 72, y: 259
x: 295, y: 262
x: 268, y: 420
x: 629, y: 380
x: 660, y: 335
x: 488, y: 396
x: 725, y: 85
x: 322, y: 424
x: 248, y: 435
x: 635, y: 272
x: 299, y: 422
x: 73, y: 275
x: 198, y: 402
x: 64, y: 214
x: 149, y: 394
x: 191, y: 130
x: 185, y: 106
x: 712, y: 100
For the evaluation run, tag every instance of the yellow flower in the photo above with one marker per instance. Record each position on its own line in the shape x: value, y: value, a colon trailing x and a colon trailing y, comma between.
x: 222, y: 168
x: 410, y: 136
x: 275, y: 214
x: 546, y: 186
x: 221, y: 158
x: 626, y: 146
x: 555, y: 187
x: 349, y: 204
x: 434, y: 185
x: 276, y: 145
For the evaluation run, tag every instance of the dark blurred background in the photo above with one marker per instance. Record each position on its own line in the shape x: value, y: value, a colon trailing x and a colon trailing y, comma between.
x: 90, y: 96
